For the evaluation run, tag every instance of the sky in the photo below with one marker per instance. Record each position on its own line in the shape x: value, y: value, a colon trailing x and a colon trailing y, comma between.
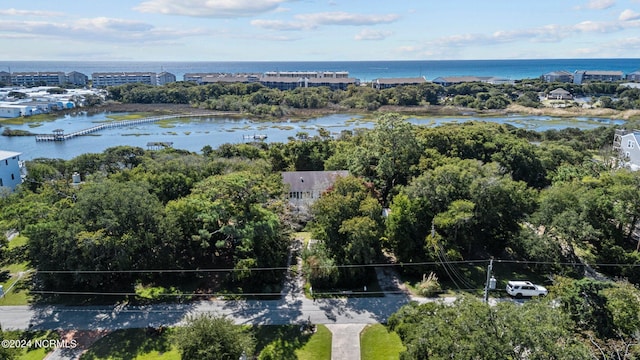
x: 307, y: 30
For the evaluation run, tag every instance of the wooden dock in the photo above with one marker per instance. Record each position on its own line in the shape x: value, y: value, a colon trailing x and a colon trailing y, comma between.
x: 59, y: 135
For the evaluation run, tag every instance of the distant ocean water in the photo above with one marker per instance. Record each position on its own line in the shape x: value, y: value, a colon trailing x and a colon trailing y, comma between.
x: 363, y: 70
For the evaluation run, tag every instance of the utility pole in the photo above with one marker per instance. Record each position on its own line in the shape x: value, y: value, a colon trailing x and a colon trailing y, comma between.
x: 491, y: 281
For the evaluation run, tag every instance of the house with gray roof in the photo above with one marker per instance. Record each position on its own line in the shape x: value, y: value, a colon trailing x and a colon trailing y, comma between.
x: 305, y: 187
x: 559, y: 94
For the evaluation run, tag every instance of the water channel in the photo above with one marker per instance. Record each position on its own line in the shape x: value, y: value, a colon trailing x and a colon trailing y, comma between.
x: 194, y: 133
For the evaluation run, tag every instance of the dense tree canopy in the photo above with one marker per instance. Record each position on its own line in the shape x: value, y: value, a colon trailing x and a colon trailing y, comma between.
x: 211, y: 337
x: 471, y: 329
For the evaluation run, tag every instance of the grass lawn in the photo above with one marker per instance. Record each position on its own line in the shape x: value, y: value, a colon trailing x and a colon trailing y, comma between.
x: 31, y: 353
x: 318, y: 347
x: 133, y: 344
x: 15, y: 287
x: 376, y: 343
x: 286, y: 342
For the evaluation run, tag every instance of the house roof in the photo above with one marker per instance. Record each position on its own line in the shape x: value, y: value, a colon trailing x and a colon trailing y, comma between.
x: 559, y: 91
x: 558, y: 73
x: 601, y: 72
x: 395, y: 81
x: 460, y: 79
x: 312, y: 180
x: 8, y: 154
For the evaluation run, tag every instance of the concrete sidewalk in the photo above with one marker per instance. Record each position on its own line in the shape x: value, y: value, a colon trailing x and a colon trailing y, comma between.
x: 345, y: 341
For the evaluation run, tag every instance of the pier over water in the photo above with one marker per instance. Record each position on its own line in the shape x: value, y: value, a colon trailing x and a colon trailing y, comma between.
x: 59, y: 135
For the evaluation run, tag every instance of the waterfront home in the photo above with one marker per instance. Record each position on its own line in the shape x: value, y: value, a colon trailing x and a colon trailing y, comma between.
x: 9, y: 170
x: 559, y: 94
x: 626, y: 145
x: 305, y: 187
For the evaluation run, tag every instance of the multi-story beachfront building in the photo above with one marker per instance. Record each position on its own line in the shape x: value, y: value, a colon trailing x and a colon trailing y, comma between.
x: 5, y: 78
x: 634, y: 76
x: 288, y: 83
x: 558, y: 76
x: 209, y: 78
x: 452, y: 80
x: 581, y: 76
x: 104, y: 79
x: 308, y: 74
x: 48, y: 78
x: 77, y: 78
x: 165, y: 78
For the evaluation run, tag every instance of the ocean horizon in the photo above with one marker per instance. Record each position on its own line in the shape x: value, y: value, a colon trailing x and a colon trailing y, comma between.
x: 363, y: 70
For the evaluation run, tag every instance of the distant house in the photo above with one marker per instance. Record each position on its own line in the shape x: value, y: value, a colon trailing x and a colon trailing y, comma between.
x: 558, y: 76
x: 559, y: 94
x: 387, y: 83
x: 627, y: 146
x: 305, y: 187
x: 11, y: 110
x: 9, y: 170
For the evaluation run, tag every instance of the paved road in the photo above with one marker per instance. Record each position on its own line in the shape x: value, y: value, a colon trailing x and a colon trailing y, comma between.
x: 284, y: 311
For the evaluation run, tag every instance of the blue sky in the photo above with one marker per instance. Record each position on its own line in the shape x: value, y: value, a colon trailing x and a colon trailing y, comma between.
x: 301, y: 30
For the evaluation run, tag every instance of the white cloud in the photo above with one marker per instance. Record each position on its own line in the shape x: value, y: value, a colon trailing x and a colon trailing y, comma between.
x: 629, y: 14
x: 16, y: 12
x: 210, y: 8
x: 370, y: 34
x: 281, y: 25
x: 99, y: 29
x: 344, y: 18
x: 597, y: 5
x: 312, y: 21
x: 108, y: 24
x: 597, y: 26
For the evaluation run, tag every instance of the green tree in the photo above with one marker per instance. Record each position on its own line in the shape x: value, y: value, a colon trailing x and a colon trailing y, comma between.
x: 471, y: 329
x: 349, y: 222
x: 108, y: 228
x: 233, y: 220
x: 387, y: 154
x: 212, y: 337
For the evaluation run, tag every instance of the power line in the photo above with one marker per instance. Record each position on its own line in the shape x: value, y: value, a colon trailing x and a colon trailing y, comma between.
x: 282, y: 268
x: 249, y: 269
